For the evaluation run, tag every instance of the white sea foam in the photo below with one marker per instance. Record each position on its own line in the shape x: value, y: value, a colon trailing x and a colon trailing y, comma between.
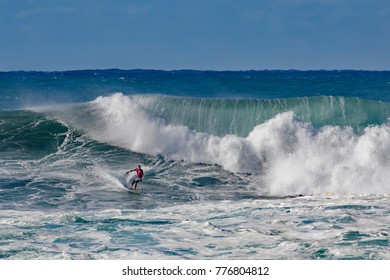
x: 286, y: 156
x: 292, y: 228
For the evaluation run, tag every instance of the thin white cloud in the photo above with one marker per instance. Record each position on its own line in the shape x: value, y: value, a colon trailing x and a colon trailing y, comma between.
x: 22, y: 14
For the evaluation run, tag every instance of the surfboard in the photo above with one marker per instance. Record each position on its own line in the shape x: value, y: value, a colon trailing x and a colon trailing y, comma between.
x: 136, y: 191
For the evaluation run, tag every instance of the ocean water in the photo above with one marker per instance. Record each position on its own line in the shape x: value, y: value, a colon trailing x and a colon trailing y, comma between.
x: 238, y: 164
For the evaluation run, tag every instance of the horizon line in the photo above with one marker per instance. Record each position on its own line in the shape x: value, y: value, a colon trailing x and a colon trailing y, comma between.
x: 197, y: 70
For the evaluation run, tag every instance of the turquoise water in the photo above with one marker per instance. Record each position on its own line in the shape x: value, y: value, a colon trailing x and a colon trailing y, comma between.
x: 239, y: 165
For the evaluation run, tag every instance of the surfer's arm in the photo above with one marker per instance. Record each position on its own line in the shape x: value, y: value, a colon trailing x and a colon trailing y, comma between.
x: 129, y: 171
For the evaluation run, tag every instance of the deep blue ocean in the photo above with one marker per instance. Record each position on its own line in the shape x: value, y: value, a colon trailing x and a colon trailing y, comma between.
x: 238, y: 164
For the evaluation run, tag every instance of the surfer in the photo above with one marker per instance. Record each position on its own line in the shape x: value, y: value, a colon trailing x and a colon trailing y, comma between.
x: 140, y: 176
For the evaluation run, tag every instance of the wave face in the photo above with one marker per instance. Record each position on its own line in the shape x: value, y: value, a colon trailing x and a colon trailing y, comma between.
x: 285, y: 155
x: 239, y: 116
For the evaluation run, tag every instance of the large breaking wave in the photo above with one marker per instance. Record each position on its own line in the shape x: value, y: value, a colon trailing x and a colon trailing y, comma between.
x: 284, y: 154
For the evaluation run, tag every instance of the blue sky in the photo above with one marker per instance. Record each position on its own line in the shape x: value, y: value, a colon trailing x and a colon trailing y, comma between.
x: 188, y: 34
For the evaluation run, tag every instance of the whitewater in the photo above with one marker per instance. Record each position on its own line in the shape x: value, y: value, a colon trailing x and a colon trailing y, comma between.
x: 241, y: 165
